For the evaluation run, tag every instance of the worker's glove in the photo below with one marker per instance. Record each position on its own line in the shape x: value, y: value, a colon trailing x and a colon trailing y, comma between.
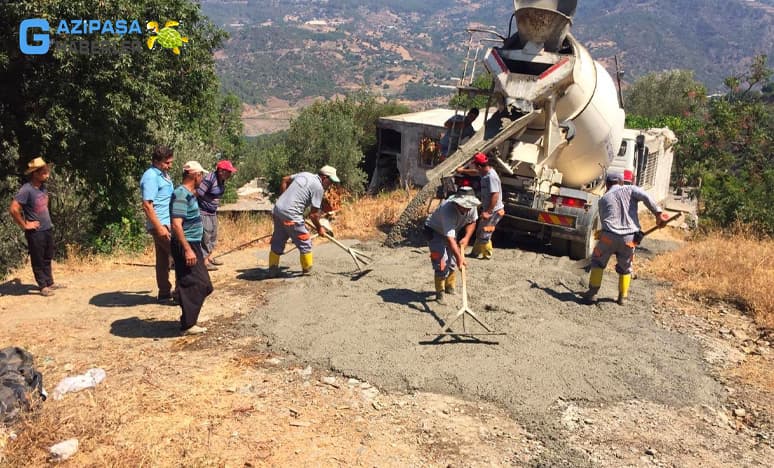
x: 638, y: 236
x: 597, y: 234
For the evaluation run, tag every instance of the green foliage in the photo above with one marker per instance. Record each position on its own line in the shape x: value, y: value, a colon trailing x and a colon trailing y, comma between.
x: 674, y: 93
x: 97, y: 117
x: 469, y: 100
x: 731, y: 154
x: 127, y: 235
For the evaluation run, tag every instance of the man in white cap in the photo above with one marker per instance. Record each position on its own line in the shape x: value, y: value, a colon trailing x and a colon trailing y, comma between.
x: 29, y: 209
x: 193, y: 280
x: 456, y: 215
x: 297, y: 193
x: 620, y: 224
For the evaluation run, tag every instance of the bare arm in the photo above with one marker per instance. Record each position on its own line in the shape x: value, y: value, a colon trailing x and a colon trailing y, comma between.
x: 160, y: 229
x: 18, y: 217
x: 190, y: 255
x: 489, y: 210
x: 314, y: 216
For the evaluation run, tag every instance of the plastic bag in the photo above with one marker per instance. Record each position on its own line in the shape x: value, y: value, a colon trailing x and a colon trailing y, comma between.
x: 77, y: 383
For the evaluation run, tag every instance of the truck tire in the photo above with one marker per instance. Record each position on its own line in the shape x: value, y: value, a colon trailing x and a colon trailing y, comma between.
x: 580, y: 250
x: 559, y: 247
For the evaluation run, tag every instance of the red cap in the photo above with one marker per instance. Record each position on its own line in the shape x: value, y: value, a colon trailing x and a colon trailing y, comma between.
x: 226, y: 166
x: 480, y: 158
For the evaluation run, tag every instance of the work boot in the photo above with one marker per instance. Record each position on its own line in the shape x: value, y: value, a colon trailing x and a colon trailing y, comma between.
x: 486, y: 250
x: 588, y: 296
x: 623, y: 287
x: 306, y: 263
x: 195, y: 330
x: 477, y: 250
x: 451, y: 283
x: 440, y: 285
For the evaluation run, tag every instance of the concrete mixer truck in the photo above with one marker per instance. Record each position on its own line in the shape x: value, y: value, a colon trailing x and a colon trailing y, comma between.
x: 557, y: 127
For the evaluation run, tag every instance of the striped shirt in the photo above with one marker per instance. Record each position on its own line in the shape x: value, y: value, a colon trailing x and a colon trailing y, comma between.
x: 618, y: 209
x: 185, y: 206
x: 209, y: 192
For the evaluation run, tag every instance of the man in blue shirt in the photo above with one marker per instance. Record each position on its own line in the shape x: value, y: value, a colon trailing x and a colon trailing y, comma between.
x: 156, y: 187
x: 193, y: 281
x: 29, y: 209
x: 620, y: 223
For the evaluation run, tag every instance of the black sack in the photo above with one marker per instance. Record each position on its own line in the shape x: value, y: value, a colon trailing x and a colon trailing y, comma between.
x: 20, y: 384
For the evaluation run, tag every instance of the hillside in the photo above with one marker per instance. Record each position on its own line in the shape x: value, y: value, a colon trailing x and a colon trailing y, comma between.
x: 292, y: 49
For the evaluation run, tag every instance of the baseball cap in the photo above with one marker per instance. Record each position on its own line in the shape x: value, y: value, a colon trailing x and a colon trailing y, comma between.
x: 226, y: 166
x: 194, y: 167
x: 614, y: 178
x: 330, y: 172
x: 481, y: 158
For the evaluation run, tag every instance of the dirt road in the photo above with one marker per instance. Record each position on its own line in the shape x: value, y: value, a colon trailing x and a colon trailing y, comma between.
x: 327, y: 370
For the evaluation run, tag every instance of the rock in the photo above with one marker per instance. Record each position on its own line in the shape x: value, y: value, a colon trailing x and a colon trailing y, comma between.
x: 306, y: 372
x: 68, y: 367
x: 724, y: 331
x: 274, y: 361
x: 63, y: 450
x: 353, y: 382
x: 370, y: 393
x: 739, y: 334
x: 426, y: 425
x: 650, y: 451
x: 330, y: 381
x: 740, y: 412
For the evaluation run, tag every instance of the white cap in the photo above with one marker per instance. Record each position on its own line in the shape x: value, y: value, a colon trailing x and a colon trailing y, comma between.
x: 193, y: 167
x: 329, y: 172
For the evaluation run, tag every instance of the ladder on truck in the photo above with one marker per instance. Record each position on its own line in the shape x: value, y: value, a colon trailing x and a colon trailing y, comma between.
x: 479, y: 41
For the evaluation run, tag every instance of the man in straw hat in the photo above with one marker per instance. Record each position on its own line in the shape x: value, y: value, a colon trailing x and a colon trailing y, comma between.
x: 455, y: 215
x: 193, y: 280
x: 29, y: 209
x: 298, y: 192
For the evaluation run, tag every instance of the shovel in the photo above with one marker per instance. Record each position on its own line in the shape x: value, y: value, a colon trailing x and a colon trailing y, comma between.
x: 361, y: 259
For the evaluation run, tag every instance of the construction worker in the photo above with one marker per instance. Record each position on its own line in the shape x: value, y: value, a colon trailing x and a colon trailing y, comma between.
x: 492, y: 206
x: 620, y: 226
x: 298, y: 192
x: 455, y: 215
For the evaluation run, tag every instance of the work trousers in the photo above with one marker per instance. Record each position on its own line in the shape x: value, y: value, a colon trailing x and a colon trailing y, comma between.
x: 288, y: 229
x: 620, y: 245
x: 162, y: 247
x: 486, y: 227
x: 210, y: 235
x: 193, y: 283
x: 40, y: 245
x: 441, y: 256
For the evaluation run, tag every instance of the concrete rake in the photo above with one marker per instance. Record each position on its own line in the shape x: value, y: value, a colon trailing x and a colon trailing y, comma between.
x: 464, y: 311
x: 360, y: 258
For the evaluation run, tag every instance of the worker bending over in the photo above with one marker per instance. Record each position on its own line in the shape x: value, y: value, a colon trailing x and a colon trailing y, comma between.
x: 298, y: 192
x: 492, y: 208
x: 620, y: 226
x: 455, y: 215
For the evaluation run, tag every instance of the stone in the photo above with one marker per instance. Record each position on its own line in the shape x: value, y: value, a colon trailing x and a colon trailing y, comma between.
x: 650, y: 451
x: 740, y: 412
x: 739, y: 334
x: 306, y: 372
x: 63, y: 450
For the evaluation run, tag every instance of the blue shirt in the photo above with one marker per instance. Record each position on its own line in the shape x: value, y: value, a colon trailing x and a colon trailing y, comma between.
x: 618, y: 209
x: 156, y: 186
x: 185, y: 206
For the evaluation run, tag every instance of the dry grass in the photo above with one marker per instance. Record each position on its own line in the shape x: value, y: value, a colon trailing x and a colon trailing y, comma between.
x: 367, y: 217
x: 734, y: 267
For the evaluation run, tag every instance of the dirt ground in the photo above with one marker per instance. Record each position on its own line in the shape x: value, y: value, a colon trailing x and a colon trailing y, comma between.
x: 342, y: 368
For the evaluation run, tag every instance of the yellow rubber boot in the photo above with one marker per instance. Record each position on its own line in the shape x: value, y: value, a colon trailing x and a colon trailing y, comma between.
x: 306, y: 263
x: 486, y: 250
x: 478, y: 250
x: 451, y: 283
x: 595, y: 281
x: 440, y: 285
x: 274, y: 260
x: 623, y: 287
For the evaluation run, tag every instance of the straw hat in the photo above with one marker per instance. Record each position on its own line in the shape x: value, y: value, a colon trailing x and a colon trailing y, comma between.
x: 35, y: 164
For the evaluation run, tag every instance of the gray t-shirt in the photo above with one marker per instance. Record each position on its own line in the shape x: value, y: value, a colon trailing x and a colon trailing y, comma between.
x: 618, y: 208
x: 305, y: 189
x: 34, y: 203
x: 490, y: 183
x: 447, y: 221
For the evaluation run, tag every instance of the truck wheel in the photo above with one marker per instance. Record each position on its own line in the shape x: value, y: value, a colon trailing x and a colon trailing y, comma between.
x: 559, y: 247
x: 583, y: 249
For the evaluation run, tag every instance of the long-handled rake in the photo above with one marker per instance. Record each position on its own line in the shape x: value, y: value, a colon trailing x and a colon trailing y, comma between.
x: 465, y: 310
x: 360, y: 258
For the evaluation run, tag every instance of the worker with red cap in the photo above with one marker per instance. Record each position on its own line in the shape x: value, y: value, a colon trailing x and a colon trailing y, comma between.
x: 209, y: 193
x: 492, y: 207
